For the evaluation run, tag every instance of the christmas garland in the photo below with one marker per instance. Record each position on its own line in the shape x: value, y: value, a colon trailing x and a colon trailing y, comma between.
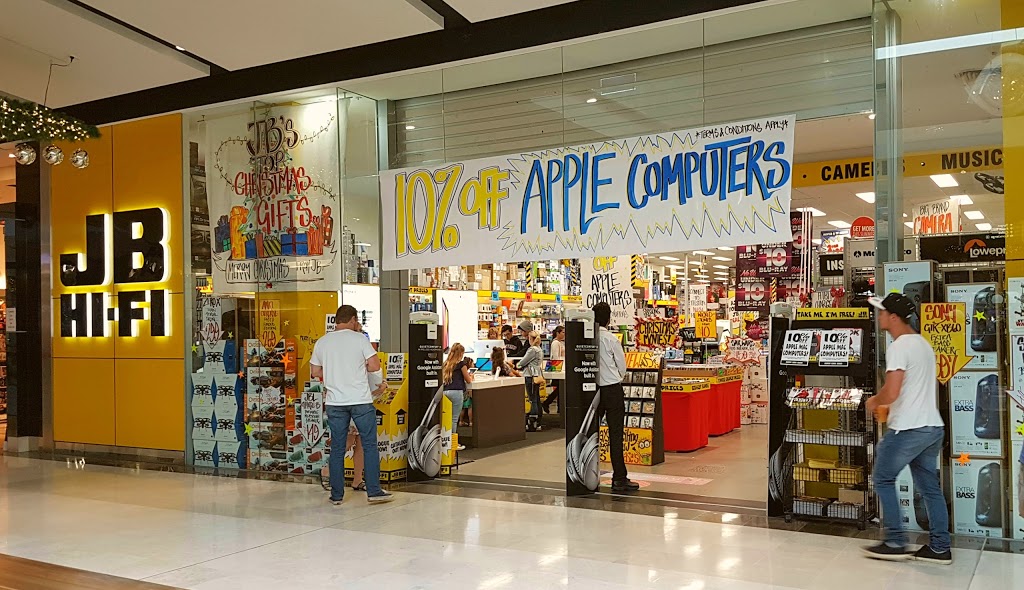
x: 24, y: 121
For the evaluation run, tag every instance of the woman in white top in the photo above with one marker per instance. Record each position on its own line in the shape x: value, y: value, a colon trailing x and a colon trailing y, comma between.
x: 557, y: 353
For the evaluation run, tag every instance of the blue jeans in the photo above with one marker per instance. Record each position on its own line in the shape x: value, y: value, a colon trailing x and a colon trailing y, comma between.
x: 455, y: 396
x: 919, y: 448
x: 365, y: 418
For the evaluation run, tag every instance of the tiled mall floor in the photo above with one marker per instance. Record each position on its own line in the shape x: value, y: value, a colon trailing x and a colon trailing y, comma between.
x: 733, y: 466
x: 209, y: 532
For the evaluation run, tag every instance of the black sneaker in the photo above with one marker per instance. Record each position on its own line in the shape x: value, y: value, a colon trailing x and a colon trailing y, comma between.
x: 625, y: 486
x: 926, y: 554
x: 887, y: 553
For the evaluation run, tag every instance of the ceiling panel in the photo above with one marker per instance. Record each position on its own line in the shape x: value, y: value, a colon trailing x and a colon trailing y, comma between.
x: 240, y: 35
x: 478, y: 10
x: 35, y: 34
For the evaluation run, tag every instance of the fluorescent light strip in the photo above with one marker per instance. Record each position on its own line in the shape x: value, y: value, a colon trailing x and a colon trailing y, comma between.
x: 840, y: 224
x: 670, y: 258
x: 944, y: 180
x: 722, y: 258
x: 983, y: 226
x: 703, y: 253
x: 950, y: 43
x: 974, y: 215
x: 724, y: 248
x: 814, y: 212
x: 964, y: 199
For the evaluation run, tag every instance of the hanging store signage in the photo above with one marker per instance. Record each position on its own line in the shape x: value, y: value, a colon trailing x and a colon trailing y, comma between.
x: 937, y: 217
x: 981, y: 247
x: 863, y: 227
x: 721, y: 185
x: 126, y: 248
x: 273, y: 194
x: 704, y: 325
x: 832, y: 240
x: 606, y: 279
x: 862, y: 253
x: 654, y: 333
x: 830, y: 265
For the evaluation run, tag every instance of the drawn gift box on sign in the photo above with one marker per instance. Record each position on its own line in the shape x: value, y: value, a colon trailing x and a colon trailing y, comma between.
x: 294, y: 243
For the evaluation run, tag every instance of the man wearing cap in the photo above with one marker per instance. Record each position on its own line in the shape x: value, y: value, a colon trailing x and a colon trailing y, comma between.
x: 914, y: 437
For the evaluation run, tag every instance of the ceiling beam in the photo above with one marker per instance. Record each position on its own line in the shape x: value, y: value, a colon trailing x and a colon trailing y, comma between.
x: 130, y: 31
x: 440, y: 12
x: 555, y: 24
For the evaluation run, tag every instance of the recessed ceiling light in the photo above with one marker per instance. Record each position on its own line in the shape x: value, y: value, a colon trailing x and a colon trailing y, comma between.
x: 703, y: 253
x: 983, y: 226
x: 674, y: 266
x: 591, y: 100
x: 179, y: 48
x: 722, y: 258
x: 974, y: 215
x: 964, y: 199
x: 814, y: 212
x: 697, y: 262
x: 839, y: 224
x: 944, y: 180
x: 410, y: 127
x: 725, y: 248
x: 721, y: 266
x: 670, y: 258
x: 867, y: 197
x: 909, y: 224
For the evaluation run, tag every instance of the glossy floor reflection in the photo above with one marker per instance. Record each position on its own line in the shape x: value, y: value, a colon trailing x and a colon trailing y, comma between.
x: 205, y: 532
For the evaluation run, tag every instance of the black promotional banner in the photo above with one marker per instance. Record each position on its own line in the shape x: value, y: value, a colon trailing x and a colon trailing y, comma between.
x: 980, y: 247
x: 830, y: 265
x: 582, y: 443
x: 424, y: 402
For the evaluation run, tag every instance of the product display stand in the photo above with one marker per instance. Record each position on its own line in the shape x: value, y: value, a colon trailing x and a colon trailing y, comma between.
x: 829, y: 436
x: 644, y: 442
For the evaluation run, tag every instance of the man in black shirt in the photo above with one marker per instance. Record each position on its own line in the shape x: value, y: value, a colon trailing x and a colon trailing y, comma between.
x: 513, y: 344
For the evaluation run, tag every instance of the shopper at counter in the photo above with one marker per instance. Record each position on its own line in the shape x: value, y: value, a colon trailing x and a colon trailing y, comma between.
x: 514, y: 346
x: 500, y: 366
x: 611, y: 372
x: 350, y: 368
x: 914, y: 437
x: 557, y: 353
x: 455, y: 375
x: 532, y: 366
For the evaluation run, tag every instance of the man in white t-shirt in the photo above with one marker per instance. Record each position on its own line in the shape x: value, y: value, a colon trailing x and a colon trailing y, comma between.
x: 914, y: 437
x: 350, y: 369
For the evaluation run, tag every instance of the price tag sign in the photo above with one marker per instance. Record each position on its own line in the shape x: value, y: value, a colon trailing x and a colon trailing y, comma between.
x: 835, y: 349
x: 796, y: 348
x: 704, y: 324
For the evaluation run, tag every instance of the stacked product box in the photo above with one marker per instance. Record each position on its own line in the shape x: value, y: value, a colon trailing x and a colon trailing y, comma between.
x: 754, y: 395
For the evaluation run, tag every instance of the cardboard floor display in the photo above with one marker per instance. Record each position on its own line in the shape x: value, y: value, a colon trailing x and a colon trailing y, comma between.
x: 978, y: 498
x: 977, y: 420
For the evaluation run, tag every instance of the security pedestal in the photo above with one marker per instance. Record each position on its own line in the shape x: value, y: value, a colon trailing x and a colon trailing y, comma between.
x: 581, y: 365
x: 425, y: 357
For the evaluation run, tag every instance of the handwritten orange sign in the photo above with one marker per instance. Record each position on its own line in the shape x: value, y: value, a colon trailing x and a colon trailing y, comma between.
x: 944, y: 326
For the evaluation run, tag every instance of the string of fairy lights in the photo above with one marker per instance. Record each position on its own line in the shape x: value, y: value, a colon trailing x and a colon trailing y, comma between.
x: 23, y: 121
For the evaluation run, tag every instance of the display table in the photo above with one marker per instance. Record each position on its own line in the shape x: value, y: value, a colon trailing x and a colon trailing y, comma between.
x: 555, y: 379
x: 686, y: 411
x: 498, y: 412
x: 722, y: 400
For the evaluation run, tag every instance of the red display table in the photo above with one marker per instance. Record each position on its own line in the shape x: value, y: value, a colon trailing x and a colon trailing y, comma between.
x: 725, y: 405
x: 686, y: 411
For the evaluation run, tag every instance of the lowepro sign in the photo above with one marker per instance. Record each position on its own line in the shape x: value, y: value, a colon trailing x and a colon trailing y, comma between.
x: 983, y: 247
x: 126, y: 248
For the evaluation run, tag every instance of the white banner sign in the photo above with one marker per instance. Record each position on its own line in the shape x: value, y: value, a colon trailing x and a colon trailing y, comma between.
x: 937, y: 217
x: 721, y: 185
x: 835, y: 348
x: 275, y: 213
x: 608, y: 280
x: 312, y: 416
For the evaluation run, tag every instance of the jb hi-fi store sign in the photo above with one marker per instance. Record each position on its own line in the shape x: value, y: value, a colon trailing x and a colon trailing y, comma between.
x: 126, y: 248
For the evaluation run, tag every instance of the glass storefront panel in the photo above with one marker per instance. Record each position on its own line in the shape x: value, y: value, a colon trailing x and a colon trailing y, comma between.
x: 284, y: 229
x: 948, y: 143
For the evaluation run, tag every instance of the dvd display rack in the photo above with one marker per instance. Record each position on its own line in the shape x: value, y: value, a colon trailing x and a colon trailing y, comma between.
x: 828, y: 435
x: 645, y: 439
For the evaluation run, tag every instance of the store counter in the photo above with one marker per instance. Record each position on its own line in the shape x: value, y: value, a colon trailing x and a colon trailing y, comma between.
x: 499, y: 412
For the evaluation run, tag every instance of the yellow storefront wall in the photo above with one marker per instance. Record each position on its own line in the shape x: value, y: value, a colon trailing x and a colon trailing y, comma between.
x: 116, y: 390
x: 1013, y: 139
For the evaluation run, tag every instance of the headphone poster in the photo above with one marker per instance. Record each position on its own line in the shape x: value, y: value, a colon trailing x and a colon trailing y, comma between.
x: 274, y: 198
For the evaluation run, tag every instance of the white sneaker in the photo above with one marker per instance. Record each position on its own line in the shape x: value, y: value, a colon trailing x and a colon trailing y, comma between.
x: 460, y: 448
